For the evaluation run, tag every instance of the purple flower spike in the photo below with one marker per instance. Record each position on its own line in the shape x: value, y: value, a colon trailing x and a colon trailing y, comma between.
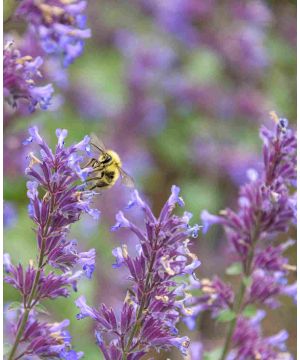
x: 154, y: 303
x: 59, y: 26
x: 120, y: 255
x: 266, y: 208
x: 250, y: 344
x: 20, y: 75
x: 56, y: 202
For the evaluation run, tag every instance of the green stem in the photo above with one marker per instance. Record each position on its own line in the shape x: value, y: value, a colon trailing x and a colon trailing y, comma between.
x: 241, y: 293
x: 28, y: 306
x: 232, y: 324
x: 140, y: 312
x: 19, y: 334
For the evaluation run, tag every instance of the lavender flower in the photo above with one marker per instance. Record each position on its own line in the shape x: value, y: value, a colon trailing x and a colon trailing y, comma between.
x: 46, y: 340
x: 56, y: 201
x: 266, y: 207
x: 249, y: 343
x: 20, y: 74
x: 63, y: 201
x: 154, y: 302
x: 59, y: 25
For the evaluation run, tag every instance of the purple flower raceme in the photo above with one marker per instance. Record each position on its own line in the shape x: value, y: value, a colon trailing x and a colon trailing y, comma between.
x: 59, y: 25
x: 20, y: 74
x: 249, y: 343
x: 266, y: 207
x: 46, y: 340
x: 56, y: 201
x: 155, y: 300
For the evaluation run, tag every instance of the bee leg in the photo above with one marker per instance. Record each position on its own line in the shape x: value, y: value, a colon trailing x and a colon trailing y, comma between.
x: 97, y: 170
x: 94, y: 178
x: 100, y: 185
x: 92, y: 162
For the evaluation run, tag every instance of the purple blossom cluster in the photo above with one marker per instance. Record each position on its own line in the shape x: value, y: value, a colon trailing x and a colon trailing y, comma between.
x: 45, y: 340
x: 57, y: 200
x: 249, y: 343
x: 20, y: 75
x: 156, y: 298
x: 55, y: 33
x: 266, y: 207
x: 60, y: 26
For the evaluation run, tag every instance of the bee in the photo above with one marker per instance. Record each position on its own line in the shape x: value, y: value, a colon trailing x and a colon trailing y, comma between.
x: 107, y: 167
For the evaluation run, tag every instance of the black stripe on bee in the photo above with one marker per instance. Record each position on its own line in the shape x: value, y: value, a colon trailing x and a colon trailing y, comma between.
x: 107, y: 160
x: 110, y: 175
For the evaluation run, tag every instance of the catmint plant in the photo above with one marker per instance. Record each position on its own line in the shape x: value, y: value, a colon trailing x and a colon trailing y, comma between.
x: 155, y: 298
x: 20, y: 75
x: 57, y: 200
x: 266, y: 208
x: 60, y: 26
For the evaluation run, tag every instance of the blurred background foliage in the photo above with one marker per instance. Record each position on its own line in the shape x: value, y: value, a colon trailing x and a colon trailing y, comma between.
x: 180, y: 90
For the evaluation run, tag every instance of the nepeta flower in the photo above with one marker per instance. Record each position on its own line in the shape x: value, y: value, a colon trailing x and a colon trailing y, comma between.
x: 50, y: 286
x: 59, y: 25
x: 63, y: 202
x: 266, y: 207
x: 57, y: 199
x: 249, y: 343
x: 46, y: 340
x: 20, y: 74
x: 154, y: 302
x: 215, y: 296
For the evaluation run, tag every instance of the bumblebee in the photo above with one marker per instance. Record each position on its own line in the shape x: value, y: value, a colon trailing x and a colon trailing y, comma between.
x: 107, y: 167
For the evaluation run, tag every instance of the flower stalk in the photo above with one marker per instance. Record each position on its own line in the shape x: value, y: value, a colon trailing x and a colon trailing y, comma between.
x: 53, y: 213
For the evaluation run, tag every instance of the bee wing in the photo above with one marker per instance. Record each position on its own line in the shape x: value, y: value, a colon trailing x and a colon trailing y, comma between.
x: 127, y: 180
x: 97, y: 144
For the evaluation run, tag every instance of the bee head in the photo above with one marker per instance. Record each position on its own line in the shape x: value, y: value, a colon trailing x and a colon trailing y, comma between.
x: 115, y: 157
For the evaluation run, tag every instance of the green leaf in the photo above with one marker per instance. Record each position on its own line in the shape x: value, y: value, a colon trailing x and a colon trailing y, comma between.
x: 247, y: 281
x: 234, y: 269
x: 41, y: 309
x: 249, y: 311
x: 226, y: 315
x: 14, y: 306
x: 213, y: 355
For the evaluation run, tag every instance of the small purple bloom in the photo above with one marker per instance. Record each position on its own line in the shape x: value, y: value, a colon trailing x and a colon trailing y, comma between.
x: 85, y: 310
x: 87, y: 261
x: 121, y: 222
x: 120, y: 254
x: 208, y: 220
